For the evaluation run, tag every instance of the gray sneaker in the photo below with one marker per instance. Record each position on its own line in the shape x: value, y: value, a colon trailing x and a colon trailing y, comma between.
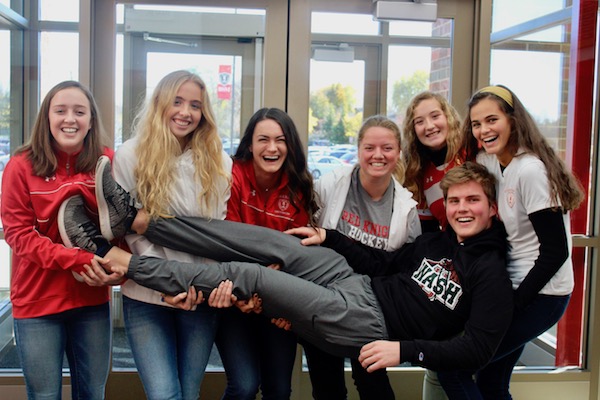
x: 76, y: 229
x: 115, y: 207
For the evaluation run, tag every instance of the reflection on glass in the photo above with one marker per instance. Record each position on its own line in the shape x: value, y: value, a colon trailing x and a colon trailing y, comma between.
x: 344, y: 24
x: 59, y: 59
x: 68, y: 11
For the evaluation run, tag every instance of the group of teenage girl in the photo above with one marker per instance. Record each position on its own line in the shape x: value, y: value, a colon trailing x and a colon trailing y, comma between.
x: 175, y: 165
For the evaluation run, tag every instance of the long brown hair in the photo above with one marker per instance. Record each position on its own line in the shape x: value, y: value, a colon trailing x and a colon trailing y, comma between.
x: 40, y: 149
x: 525, y: 134
x: 299, y: 179
x: 414, y: 151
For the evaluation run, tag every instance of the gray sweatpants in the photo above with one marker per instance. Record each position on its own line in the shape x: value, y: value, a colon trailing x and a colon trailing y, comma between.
x: 326, y: 302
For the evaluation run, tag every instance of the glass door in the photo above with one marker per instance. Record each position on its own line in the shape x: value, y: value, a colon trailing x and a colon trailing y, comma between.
x: 224, y: 46
x: 226, y: 61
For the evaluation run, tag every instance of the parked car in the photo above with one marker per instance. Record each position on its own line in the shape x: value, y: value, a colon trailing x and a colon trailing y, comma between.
x: 320, y: 165
x: 3, y: 160
x: 4, y: 145
x: 338, y: 153
x: 349, y: 158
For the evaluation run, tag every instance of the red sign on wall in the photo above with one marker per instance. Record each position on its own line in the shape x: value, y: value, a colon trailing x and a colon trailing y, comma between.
x: 224, y: 85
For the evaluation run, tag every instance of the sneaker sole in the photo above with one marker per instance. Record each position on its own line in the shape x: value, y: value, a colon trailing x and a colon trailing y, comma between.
x: 61, y: 224
x: 103, y: 214
x: 63, y: 232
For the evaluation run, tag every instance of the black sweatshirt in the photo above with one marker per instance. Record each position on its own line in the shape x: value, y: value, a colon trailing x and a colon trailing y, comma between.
x: 448, y: 304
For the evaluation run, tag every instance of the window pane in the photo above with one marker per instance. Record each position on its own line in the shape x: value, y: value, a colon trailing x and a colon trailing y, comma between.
x: 429, y: 69
x: 544, y: 93
x: 8, y: 355
x: 336, y: 101
x: 507, y: 13
x: 555, y: 34
x: 415, y: 28
x: 348, y: 24
x: 540, y: 89
x: 67, y: 11
x: 4, y: 273
x: 55, y: 69
x: 5, y: 111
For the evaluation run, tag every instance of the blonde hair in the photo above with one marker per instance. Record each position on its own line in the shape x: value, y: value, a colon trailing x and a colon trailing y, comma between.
x: 525, y: 134
x: 414, y: 151
x: 158, y: 148
x: 384, y: 122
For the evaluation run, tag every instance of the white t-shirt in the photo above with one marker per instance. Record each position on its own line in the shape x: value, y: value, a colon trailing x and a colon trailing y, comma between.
x: 365, y: 220
x: 523, y: 189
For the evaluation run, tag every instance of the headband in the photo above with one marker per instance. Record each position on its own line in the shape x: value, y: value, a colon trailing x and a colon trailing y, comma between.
x: 499, y: 91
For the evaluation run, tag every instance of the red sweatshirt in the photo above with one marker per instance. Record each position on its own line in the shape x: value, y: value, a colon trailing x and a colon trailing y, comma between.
x: 41, y: 281
x: 272, y: 209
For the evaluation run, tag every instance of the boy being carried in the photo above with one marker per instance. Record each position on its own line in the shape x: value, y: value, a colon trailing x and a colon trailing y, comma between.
x: 442, y: 302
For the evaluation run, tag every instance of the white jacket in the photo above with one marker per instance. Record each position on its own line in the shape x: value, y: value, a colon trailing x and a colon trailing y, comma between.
x: 333, y: 189
x: 184, y: 202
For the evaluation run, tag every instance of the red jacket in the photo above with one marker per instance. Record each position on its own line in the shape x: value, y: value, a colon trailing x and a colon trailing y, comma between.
x: 272, y: 209
x: 434, y: 197
x: 41, y: 281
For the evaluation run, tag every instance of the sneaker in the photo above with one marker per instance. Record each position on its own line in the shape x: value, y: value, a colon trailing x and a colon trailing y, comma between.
x: 115, y: 207
x: 76, y: 229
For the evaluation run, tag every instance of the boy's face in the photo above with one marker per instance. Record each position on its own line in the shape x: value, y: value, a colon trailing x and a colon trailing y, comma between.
x: 468, y: 209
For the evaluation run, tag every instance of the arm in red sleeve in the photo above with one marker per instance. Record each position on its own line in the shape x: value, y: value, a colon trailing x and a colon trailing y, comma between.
x: 21, y: 224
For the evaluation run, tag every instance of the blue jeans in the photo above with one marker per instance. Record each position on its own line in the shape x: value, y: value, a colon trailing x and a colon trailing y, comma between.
x: 170, y: 347
x: 255, y: 353
x: 493, y: 380
x: 84, y: 334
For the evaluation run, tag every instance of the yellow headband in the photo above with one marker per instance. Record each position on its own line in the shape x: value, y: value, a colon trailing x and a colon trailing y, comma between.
x: 500, y: 92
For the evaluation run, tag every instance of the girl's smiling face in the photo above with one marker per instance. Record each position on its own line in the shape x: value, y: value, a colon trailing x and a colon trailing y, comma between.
x: 378, y: 152
x: 269, y: 147
x: 491, y: 127
x: 431, y: 124
x: 70, y: 119
x: 186, y: 111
